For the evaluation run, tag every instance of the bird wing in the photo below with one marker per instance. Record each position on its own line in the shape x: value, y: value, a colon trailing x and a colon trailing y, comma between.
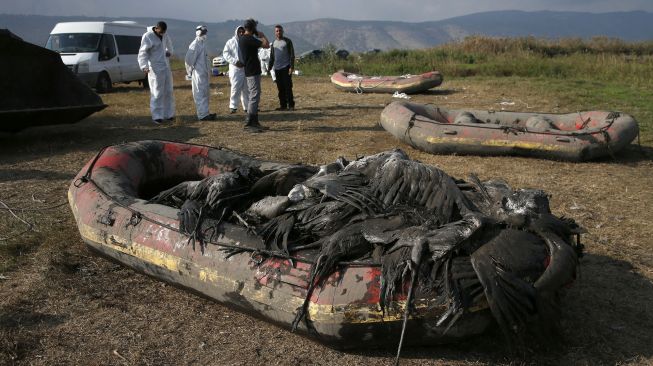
x: 281, y: 181
x: 276, y: 232
x: 176, y: 194
x: 407, y: 182
x: 347, y: 186
x: 507, y: 265
x: 189, y: 216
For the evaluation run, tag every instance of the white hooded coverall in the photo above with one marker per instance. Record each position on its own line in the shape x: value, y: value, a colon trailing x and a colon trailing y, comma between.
x: 197, y: 65
x: 236, y: 74
x: 152, y: 56
x: 264, y: 57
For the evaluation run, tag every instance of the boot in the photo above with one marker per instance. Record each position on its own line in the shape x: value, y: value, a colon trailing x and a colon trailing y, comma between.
x: 257, y: 124
x: 251, y: 123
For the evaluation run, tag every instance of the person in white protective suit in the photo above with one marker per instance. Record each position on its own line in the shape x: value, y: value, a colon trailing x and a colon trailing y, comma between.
x: 264, y: 56
x: 153, y: 59
x: 197, y: 66
x: 236, y: 72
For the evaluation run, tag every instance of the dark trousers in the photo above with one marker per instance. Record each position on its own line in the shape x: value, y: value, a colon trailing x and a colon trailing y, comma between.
x: 284, y: 85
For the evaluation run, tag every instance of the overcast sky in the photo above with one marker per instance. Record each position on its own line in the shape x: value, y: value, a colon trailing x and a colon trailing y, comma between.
x: 279, y: 11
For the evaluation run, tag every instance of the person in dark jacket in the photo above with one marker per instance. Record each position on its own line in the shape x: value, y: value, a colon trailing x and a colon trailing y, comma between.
x: 248, y: 45
x: 282, y: 61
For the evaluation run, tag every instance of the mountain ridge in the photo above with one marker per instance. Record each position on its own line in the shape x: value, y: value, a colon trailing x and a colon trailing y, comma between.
x: 355, y: 35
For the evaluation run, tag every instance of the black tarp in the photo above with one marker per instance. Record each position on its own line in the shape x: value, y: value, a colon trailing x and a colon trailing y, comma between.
x: 36, y: 88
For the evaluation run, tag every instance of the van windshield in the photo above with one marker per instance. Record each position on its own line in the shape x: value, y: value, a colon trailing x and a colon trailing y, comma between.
x: 73, y: 42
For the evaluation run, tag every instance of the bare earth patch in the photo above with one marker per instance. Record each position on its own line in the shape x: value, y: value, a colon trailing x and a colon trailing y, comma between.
x: 60, y: 305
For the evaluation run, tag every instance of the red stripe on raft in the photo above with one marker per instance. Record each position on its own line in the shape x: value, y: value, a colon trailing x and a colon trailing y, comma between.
x: 174, y: 150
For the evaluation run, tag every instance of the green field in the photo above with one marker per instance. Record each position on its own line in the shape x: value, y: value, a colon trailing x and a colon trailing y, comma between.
x: 600, y: 73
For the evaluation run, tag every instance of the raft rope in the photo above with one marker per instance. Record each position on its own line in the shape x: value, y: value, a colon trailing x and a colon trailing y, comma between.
x: 606, y: 137
x: 138, y: 216
x: 411, y: 124
x: 359, y: 88
x: 515, y: 130
x: 585, y: 122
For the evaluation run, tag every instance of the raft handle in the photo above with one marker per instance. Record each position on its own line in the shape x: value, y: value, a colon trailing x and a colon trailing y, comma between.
x: 562, y: 139
x: 450, y: 132
x: 80, y: 181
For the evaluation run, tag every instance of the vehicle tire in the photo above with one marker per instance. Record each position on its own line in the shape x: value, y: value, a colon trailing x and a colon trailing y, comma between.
x: 103, y: 84
x: 146, y: 84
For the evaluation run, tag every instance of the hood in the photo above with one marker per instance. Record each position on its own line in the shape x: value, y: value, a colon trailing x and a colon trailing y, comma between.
x: 236, y: 31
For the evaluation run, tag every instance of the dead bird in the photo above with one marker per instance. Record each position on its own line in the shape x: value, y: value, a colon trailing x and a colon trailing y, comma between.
x: 349, y: 187
x: 281, y: 181
x: 176, y: 195
x: 406, y: 182
x: 221, y: 192
x: 334, y: 167
x: 346, y: 244
x: 305, y: 221
x: 269, y: 207
x: 369, y: 165
x: 460, y: 241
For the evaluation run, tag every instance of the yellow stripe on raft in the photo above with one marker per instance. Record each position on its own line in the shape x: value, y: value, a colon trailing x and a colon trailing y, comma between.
x: 352, y: 314
x: 500, y: 143
x: 118, y: 244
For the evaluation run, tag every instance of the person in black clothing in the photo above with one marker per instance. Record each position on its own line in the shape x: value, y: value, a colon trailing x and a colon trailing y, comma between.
x: 282, y: 61
x: 248, y: 45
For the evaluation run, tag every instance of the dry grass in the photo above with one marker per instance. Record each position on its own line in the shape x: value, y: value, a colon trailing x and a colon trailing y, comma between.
x: 61, y: 305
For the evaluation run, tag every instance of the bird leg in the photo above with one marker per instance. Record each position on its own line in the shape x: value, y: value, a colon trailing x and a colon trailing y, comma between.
x: 250, y: 229
x: 303, y: 310
x: 417, y: 254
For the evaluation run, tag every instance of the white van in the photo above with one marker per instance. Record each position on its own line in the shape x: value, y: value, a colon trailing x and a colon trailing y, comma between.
x: 100, y: 53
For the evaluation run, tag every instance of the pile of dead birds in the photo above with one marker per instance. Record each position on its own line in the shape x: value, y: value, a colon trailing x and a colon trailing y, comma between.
x: 462, y: 240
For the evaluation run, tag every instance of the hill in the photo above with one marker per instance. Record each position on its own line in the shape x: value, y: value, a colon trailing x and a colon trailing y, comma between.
x: 365, y: 35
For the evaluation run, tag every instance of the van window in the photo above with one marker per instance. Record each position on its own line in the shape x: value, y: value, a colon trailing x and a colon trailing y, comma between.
x: 128, y: 45
x: 73, y: 42
x: 107, y: 48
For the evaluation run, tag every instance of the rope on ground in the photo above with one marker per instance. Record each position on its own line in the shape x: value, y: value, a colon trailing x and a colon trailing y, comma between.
x: 33, y: 209
x: 30, y: 226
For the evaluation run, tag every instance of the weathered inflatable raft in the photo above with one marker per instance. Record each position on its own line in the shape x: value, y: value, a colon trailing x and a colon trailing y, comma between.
x: 409, y: 84
x: 352, y: 306
x: 36, y: 88
x: 575, y: 136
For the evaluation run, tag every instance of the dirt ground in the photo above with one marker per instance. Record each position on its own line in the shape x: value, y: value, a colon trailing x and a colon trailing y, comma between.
x: 61, y: 305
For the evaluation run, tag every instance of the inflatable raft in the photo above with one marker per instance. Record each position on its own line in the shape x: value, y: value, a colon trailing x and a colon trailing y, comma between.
x: 110, y: 200
x: 36, y: 88
x: 409, y: 84
x: 575, y: 136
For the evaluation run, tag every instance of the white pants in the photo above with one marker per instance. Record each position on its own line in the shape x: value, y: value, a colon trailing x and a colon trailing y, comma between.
x: 162, y: 98
x: 238, y: 88
x: 201, y: 93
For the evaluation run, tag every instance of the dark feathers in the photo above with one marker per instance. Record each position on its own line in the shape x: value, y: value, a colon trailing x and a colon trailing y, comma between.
x: 344, y: 245
x: 461, y: 242
x: 280, y: 182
